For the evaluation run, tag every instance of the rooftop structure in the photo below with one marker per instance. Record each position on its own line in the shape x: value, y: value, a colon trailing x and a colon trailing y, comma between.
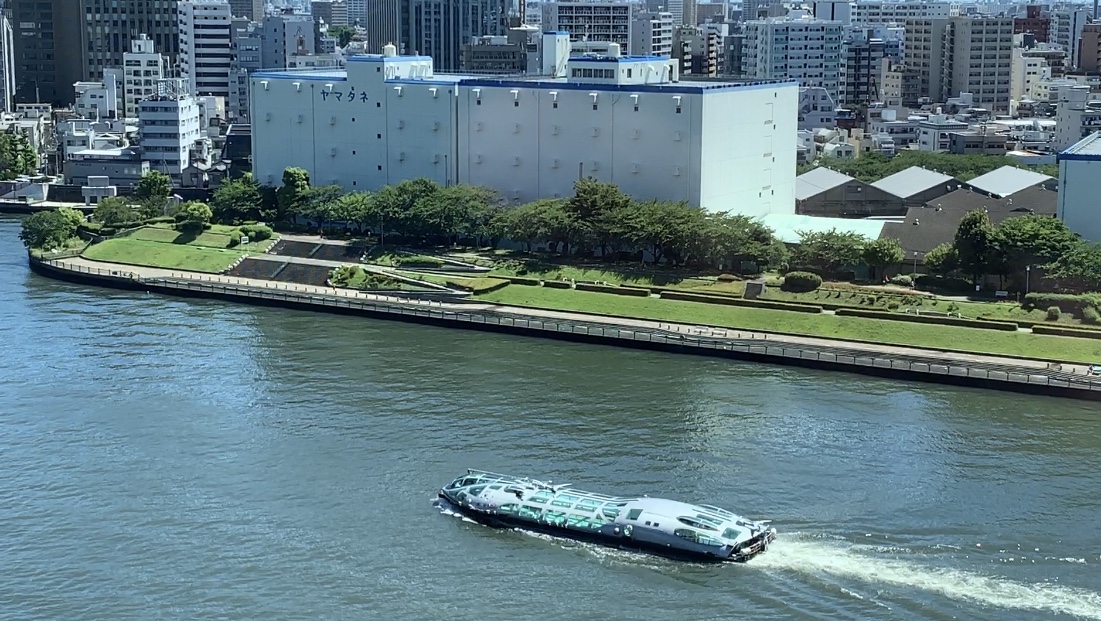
x: 818, y: 180
x: 1079, y: 185
x: 1007, y: 181
x: 913, y: 181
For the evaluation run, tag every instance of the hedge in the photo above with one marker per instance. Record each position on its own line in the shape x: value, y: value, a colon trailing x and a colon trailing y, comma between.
x: 944, y: 321
x: 955, y: 285
x: 639, y: 293
x: 1068, y: 303
x: 557, y: 284
x: 1057, y: 331
x: 710, y: 299
x: 518, y: 280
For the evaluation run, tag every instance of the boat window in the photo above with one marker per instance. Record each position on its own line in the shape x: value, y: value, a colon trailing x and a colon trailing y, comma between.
x: 597, y: 521
x: 532, y: 513
x: 510, y: 509
x: 456, y: 483
x: 588, y: 505
x: 469, y: 481
x: 556, y: 518
x: 496, y: 486
x: 709, y: 520
x: 579, y: 521
x: 732, y: 533
x: 687, y: 533
x: 695, y: 523
x: 541, y: 497
x: 610, y: 513
x: 708, y: 541
x: 633, y: 514
x: 474, y: 491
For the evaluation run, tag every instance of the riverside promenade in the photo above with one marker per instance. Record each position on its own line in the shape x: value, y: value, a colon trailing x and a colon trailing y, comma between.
x: 987, y: 371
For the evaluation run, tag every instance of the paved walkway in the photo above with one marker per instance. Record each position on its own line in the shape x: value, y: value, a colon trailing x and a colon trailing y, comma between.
x: 83, y: 264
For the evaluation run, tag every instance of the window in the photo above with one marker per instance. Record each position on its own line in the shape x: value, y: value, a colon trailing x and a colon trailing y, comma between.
x: 515, y: 104
x: 587, y: 505
x: 732, y: 533
x: 509, y: 509
x: 555, y: 518
x: 633, y: 514
x: 610, y: 512
x: 580, y: 521
x: 474, y: 491
x: 541, y: 497
x: 565, y: 500
x: 531, y: 513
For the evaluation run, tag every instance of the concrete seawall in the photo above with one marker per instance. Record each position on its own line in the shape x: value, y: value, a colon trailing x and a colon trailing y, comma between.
x: 923, y: 365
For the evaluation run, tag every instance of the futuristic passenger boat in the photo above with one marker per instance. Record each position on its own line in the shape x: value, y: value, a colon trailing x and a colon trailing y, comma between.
x: 665, y: 527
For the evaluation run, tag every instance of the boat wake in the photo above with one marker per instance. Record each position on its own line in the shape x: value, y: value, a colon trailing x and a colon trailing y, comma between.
x: 792, y: 553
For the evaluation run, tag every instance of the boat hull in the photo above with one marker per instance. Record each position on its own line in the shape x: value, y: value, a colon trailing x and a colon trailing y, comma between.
x: 495, y: 520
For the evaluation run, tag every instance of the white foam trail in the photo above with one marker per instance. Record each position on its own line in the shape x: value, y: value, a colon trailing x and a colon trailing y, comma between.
x: 839, y: 559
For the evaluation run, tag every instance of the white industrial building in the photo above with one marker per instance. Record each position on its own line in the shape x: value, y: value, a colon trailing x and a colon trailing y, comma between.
x: 625, y: 120
x: 1079, y: 185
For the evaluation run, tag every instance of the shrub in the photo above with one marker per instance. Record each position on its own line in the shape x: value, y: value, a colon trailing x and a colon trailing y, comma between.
x: 1053, y: 313
x: 557, y: 284
x: 902, y: 280
x: 1067, y: 303
x: 727, y: 278
x: 893, y: 306
x: 947, y: 321
x: 927, y: 282
x: 1061, y: 331
x: 640, y: 293
x: 731, y: 301
x: 233, y: 241
x: 519, y: 280
x: 800, y: 282
x: 256, y: 232
x: 1090, y: 315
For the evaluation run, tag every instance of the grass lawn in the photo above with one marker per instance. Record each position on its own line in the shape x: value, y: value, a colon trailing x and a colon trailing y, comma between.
x: 160, y: 254
x: 218, y: 236
x: 829, y: 326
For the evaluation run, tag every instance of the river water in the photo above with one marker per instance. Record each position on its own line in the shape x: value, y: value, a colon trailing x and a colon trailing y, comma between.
x: 178, y: 459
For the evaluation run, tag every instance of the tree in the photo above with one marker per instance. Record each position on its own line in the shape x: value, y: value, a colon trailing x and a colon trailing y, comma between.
x: 355, y: 208
x: 319, y: 204
x: 75, y: 218
x: 47, y: 229
x: 17, y: 155
x: 662, y: 227
x: 193, y: 216
x: 237, y: 199
x: 342, y: 34
x: 942, y: 260
x: 154, y: 185
x: 454, y: 211
x: 974, y: 243
x: 1081, y: 265
x: 291, y: 195
x: 113, y: 211
x: 529, y: 223
x: 396, y: 205
x: 1031, y: 240
x: 601, y: 209
x: 828, y: 251
x: 883, y: 253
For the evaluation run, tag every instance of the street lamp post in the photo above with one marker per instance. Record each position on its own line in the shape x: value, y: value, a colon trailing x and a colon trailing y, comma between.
x: 1028, y: 276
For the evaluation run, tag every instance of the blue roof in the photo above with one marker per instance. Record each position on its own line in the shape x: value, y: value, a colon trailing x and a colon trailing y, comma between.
x: 377, y: 58
x: 330, y: 75
x: 1086, y: 149
x: 676, y: 88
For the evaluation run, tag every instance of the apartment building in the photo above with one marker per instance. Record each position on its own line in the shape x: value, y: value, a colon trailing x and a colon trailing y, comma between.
x: 797, y: 47
x: 206, y: 46
x: 652, y: 33
x: 1089, y: 52
x: 863, y: 55
x: 331, y: 12
x: 285, y: 36
x: 697, y: 51
x: 870, y: 12
x: 1035, y: 22
x: 591, y: 21
x: 1025, y: 72
x: 1078, y: 115
x: 978, y: 60
x: 143, y: 67
x: 1066, y: 30
x: 110, y: 26
x: 253, y: 10
x: 169, y: 125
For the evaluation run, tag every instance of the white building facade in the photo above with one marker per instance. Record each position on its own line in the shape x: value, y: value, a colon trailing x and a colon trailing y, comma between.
x: 868, y: 12
x: 591, y: 20
x: 169, y: 125
x: 143, y: 67
x: 7, y: 64
x: 1079, y: 185
x: 624, y: 120
x: 205, y: 48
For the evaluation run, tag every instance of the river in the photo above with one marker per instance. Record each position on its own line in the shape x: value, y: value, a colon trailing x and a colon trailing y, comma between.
x: 179, y: 459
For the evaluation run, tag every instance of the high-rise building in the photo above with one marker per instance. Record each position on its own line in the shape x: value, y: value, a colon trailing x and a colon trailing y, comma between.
x: 603, y: 20
x: 47, y: 46
x: 1066, y: 30
x: 143, y: 67
x: 439, y: 28
x: 169, y: 124
x: 252, y: 9
x: 685, y: 12
x: 697, y: 51
x: 331, y: 12
x: 1089, y: 50
x: 898, y: 11
x: 863, y: 56
x: 247, y: 43
x: 205, y: 46
x: 799, y: 47
x: 1035, y: 22
x: 652, y: 34
x: 382, y: 20
x: 923, y: 56
x: 7, y: 64
x: 110, y: 26
x: 978, y: 60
